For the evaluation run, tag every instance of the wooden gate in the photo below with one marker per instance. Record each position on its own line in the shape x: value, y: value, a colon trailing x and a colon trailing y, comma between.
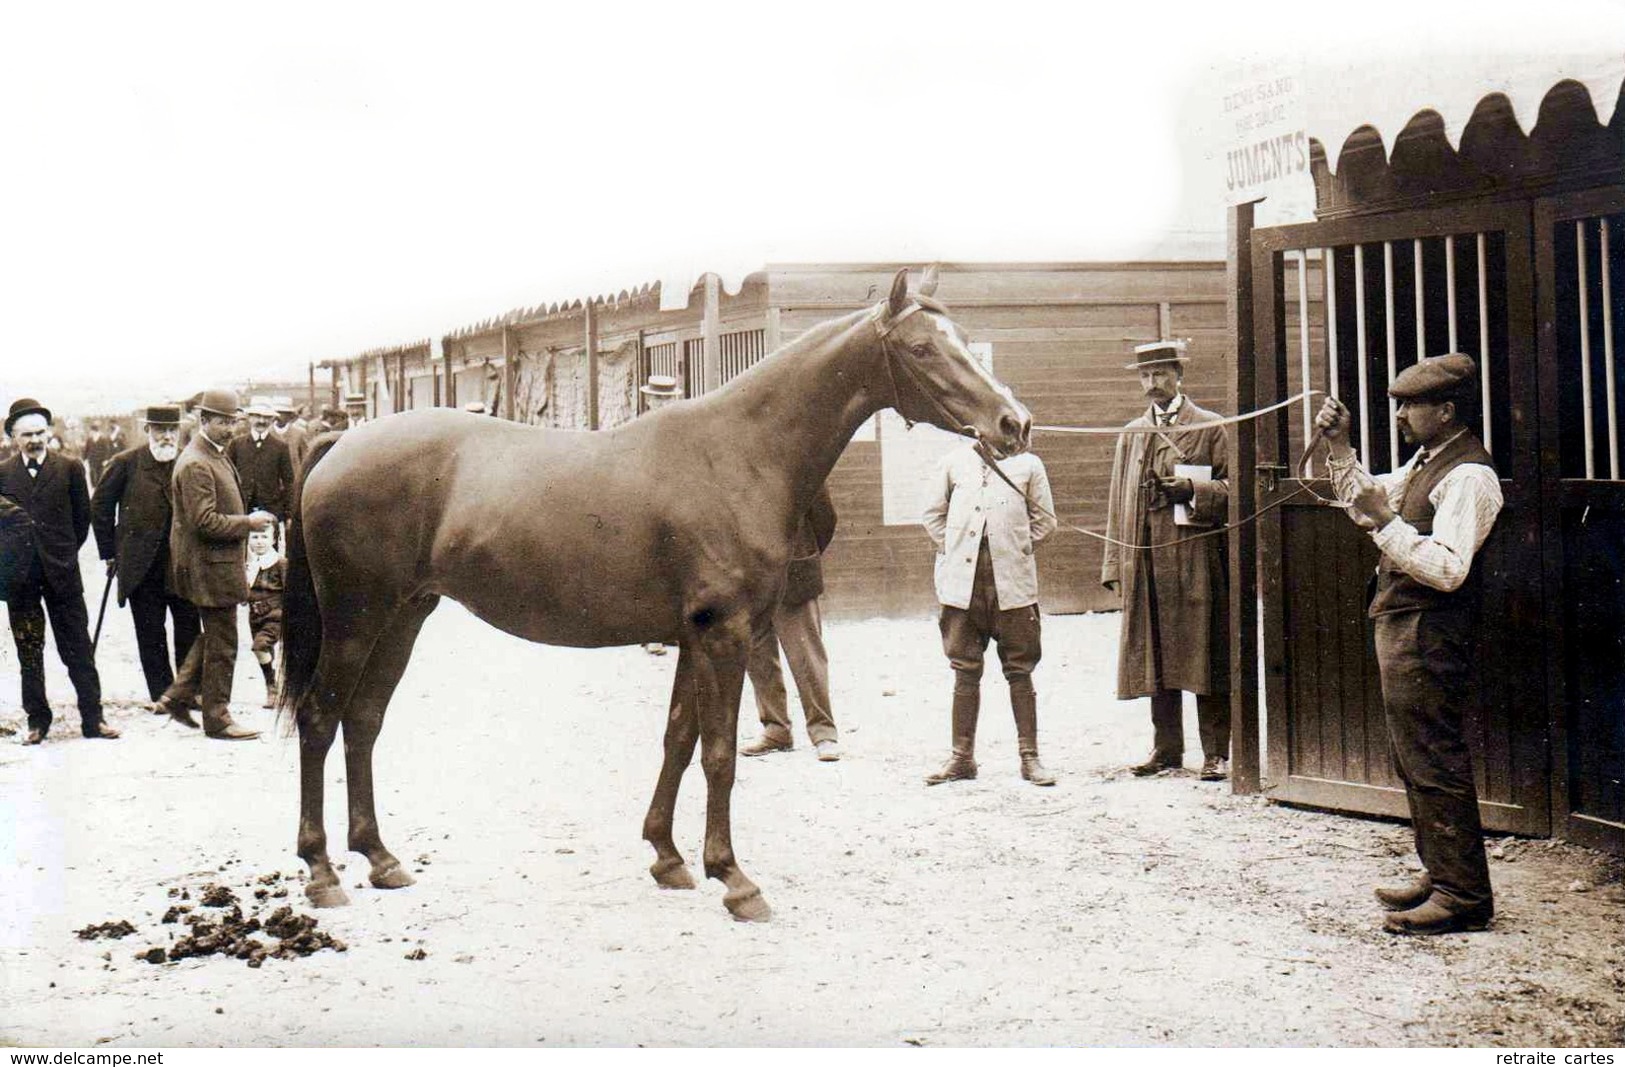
x: 1343, y: 307
x: 1578, y: 242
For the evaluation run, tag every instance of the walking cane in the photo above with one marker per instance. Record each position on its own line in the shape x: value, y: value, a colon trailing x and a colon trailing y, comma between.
x: 102, y: 614
x: 1148, y: 489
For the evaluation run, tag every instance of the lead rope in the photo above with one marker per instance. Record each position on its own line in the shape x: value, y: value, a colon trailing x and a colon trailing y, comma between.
x: 982, y: 452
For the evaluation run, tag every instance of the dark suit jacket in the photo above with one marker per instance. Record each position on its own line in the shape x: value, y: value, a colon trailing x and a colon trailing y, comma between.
x: 16, y: 546
x: 130, y: 513
x: 266, y: 471
x: 58, y: 502
x: 208, y: 538
x: 805, y: 579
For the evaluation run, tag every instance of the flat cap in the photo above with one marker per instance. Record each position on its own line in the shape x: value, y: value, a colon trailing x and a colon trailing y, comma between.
x: 1435, y: 378
x: 1158, y: 352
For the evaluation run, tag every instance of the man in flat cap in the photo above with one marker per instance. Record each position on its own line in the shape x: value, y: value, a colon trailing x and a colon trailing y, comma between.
x: 55, y: 493
x: 208, y: 557
x: 131, y: 514
x: 264, y: 464
x: 1429, y: 518
x: 1170, y: 486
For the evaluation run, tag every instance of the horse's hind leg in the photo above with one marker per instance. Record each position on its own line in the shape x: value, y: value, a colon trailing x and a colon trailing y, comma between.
x: 363, y: 719
x: 317, y: 726
x: 682, y: 730
x: 342, y: 660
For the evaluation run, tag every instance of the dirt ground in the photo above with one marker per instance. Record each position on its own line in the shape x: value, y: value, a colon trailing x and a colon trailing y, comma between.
x: 1109, y: 910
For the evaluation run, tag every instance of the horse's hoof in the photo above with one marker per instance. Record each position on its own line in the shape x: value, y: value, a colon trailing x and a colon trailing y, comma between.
x: 747, y: 905
x: 393, y: 876
x: 325, y: 896
x: 672, y: 875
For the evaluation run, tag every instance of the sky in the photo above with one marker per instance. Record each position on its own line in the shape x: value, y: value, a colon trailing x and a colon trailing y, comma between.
x: 194, y: 195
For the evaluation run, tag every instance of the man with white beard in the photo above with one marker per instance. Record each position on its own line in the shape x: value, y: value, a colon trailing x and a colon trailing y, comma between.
x: 130, y: 512
x: 55, y: 492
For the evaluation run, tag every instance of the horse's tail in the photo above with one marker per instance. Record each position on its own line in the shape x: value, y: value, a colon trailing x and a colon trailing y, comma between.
x: 301, y: 612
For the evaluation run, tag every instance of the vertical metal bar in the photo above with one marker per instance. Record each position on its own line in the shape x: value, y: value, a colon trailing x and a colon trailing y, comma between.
x: 1421, y: 307
x: 1393, y: 358
x: 1450, y: 285
x: 1484, y: 343
x: 1303, y: 341
x: 1608, y: 351
x: 1329, y: 262
x: 1360, y: 354
x: 1585, y: 346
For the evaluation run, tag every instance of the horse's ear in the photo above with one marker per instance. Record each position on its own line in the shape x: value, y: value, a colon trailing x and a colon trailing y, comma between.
x: 899, y: 293
x: 928, y: 287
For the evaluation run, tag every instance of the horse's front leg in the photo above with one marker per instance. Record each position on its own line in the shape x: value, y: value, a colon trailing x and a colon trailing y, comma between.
x: 720, y: 670
x: 682, y: 731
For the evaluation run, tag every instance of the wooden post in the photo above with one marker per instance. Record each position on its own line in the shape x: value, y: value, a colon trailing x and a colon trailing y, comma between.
x: 402, y: 401
x: 772, y: 335
x: 590, y: 329
x: 1245, y: 772
x: 332, y: 389
x: 710, y: 328
x: 451, y: 376
x: 311, y: 382
x: 510, y: 360
x: 638, y: 398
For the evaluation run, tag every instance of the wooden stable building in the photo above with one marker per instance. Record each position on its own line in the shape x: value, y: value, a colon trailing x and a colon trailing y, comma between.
x: 1057, y: 333
x: 1506, y: 246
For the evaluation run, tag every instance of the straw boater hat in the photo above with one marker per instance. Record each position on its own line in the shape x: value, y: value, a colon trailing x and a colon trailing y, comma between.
x: 1436, y: 378
x: 1157, y: 353
x: 163, y: 415
x: 660, y: 385
x: 25, y: 406
x: 219, y: 402
x: 261, y: 408
x: 476, y: 407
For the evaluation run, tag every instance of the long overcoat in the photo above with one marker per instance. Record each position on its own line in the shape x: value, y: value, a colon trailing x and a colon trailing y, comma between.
x: 130, y: 512
x: 1192, y: 581
x: 208, y: 539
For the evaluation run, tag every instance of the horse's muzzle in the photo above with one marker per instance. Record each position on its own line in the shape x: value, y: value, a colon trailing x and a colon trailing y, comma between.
x: 1016, y: 432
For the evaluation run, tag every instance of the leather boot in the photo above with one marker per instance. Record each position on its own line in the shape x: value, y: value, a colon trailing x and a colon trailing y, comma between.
x: 961, y: 766
x: 1024, y: 702
x: 1412, y: 894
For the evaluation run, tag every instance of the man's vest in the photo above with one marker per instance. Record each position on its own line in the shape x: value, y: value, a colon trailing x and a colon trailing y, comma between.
x: 1398, y: 591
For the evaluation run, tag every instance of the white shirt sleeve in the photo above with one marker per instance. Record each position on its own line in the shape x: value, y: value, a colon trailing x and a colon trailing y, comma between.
x: 1466, y: 502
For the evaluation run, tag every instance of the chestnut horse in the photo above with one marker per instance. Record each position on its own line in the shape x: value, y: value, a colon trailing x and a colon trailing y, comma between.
x: 677, y: 524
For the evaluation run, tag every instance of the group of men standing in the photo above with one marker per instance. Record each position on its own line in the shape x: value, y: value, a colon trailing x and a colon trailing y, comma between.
x: 171, y: 520
x: 1165, y: 556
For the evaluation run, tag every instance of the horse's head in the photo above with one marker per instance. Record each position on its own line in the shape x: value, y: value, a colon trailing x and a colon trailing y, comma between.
x: 935, y: 378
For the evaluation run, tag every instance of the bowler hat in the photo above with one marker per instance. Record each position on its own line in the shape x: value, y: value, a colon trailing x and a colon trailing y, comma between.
x: 1158, y: 352
x: 25, y: 406
x: 163, y: 415
x: 1435, y: 378
x: 663, y: 385
x: 219, y: 402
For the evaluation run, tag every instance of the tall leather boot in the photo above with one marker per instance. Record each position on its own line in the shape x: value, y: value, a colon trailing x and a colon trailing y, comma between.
x: 1024, y: 702
x: 961, y: 766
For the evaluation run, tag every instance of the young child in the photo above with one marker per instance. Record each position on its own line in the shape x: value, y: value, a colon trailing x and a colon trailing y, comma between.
x: 265, y: 574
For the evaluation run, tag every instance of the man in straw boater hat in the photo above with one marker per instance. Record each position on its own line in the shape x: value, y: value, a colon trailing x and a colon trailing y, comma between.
x: 1429, y: 518
x: 208, y: 557
x: 131, y: 514
x: 1168, y: 487
x: 55, y: 493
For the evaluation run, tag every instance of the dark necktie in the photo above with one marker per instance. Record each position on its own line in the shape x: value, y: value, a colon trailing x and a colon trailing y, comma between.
x: 33, y: 466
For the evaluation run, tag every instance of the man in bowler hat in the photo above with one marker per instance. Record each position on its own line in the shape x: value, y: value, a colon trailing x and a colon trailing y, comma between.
x: 131, y: 514
x: 55, y: 493
x: 1429, y: 518
x: 208, y: 560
